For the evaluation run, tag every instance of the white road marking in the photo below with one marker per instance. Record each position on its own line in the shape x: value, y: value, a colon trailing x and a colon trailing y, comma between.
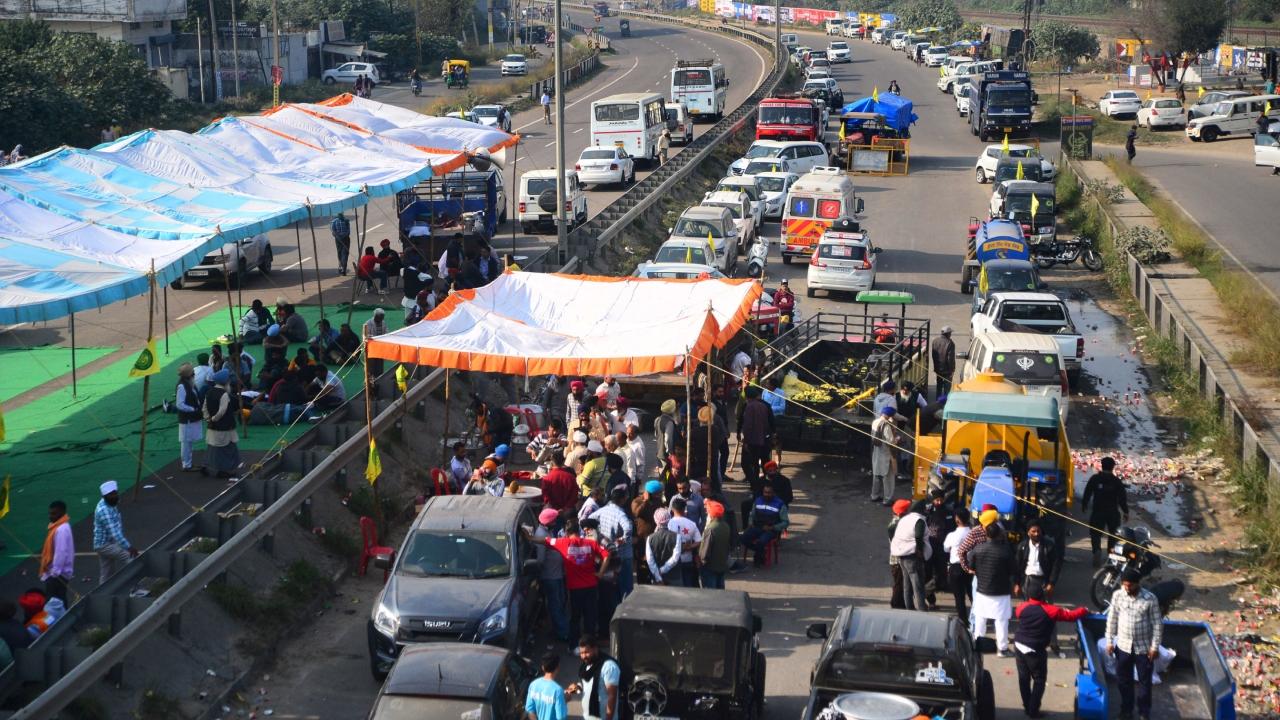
x: 292, y: 266
x: 575, y: 132
x: 202, y: 307
x: 553, y: 142
x: 375, y: 227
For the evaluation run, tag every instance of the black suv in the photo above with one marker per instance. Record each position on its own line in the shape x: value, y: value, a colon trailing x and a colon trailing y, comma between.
x: 925, y: 657
x: 689, y: 653
x: 464, y: 573
x: 454, y: 680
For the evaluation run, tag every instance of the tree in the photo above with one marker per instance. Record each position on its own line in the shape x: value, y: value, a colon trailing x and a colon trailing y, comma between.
x: 929, y: 13
x: 1063, y: 42
x: 1188, y: 26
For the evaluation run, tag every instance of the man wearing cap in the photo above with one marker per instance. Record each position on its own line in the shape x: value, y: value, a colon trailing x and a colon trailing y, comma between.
x: 108, y: 533
x: 373, y: 327
x: 755, y: 435
x: 943, y: 353
x: 911, y: 548
x: 577, y: 394
x: 617, y: 532
x: 885, y: 437
x: 713, y: 552
x: 992, y: 563
x: 1037, y: 621
x: 1134, y: 631
x: 496, y: 462
x: 551, y: 572
x: 622, y: 415
x: 594, y: 471
x: 187, y: 402
x: 666, y: 434
x: 221, y: 406
x: 766, y: 521
x: 1107, y: 493
x: 662, y: 551
x: 635, y: 455
x: 642, y: 509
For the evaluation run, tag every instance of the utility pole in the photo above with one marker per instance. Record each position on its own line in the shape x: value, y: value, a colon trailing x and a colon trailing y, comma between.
x: 235, y: 46
x: 777, y: 27
x: 561, y: 231
x: 200, y: 55
x: 275, y: 53
x: 213, y: 50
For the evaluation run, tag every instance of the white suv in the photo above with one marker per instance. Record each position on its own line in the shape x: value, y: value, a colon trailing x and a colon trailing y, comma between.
x: 537, y: 208
x: 234, y: 260
x: 348, y: 72
x: 838, y: 51
x: 802, y: 155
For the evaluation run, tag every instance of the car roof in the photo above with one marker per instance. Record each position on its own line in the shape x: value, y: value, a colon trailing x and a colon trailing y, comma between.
x: 726, y: 196
x: 691, y: 268
x: 1010, y: 341
x: 701, y: 212
x: 469, y: 512
x: 1007, y: 264
x: 776, y: 174
x: 546, y: 174
x: 1028, y: 296
x: 692, y: 606
x: 1031, y: 186
x: 882, y: 626
x: 463, y: 670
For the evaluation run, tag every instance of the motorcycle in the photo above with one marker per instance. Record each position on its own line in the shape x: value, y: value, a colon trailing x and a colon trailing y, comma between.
x: 417, y: 87
x: 758, y: 257
x: 1133, y: 552
x: 1065, y: 252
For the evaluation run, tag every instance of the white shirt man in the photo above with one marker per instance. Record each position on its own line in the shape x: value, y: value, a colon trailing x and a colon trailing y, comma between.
x: 621, y: 419
x: 740, y: 363
x: 636, y: 462
x: 612, y: 388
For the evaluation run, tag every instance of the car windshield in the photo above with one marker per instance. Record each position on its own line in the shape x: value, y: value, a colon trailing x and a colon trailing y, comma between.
x: 1010, y: 279
x: 1009, y: 171
x: 734, y: 208
x: 856, y: 669
x: 1222, y: 108
x: 691, y: 78
x: 1124, y: 96
x: 406, y: 707
x: 672, y: 254
x: 513, y: 58
x: 759, y: 166
x: 787, y: 115
x: 597, y: 155
x: 1028, y: 368
x: 617, y: 112
x: 1021, y: 204
x: 760, y: 151
x: 1014, y: 98
x: 1035, y: 312
x: 537, y: 186
x: 1020, y: 152
x: 773, y: 184
x: 688, y: 227
x: 458, y: 553
x: 486, y: 111
x: 839, y: 46
x: 1168, y: 104
x: 689, y: 658
x: 751, y: 190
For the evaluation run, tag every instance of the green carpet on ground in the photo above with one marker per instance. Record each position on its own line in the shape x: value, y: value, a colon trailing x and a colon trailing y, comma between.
x: 60, y: 447
x: 28, y: 368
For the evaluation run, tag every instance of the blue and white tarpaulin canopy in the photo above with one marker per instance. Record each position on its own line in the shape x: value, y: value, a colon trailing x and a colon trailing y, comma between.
x: 79, y: 228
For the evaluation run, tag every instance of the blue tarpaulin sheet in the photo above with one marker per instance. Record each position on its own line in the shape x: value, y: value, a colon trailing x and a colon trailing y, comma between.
x: 895, y: 109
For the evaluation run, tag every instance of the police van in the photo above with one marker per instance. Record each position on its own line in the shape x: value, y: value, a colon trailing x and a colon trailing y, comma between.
x: 816, y: 200
x: 702, y: 86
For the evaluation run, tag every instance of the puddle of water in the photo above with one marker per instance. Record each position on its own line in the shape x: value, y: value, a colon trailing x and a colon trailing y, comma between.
x: 1115, y: 389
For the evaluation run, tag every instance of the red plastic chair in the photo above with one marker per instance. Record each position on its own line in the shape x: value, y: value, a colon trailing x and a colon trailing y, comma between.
x: 369, y: 534
x: 440, y: 482
x: 770, y: 551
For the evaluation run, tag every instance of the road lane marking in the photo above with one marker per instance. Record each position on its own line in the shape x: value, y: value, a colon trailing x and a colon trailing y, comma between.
x: 631, y: 69
x: 575, y: 132
x: 291, y: 266
x: 202, y: 307
x: 375, y: 227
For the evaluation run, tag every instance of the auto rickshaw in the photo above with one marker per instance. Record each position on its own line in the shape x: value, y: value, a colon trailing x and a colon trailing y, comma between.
x: 457, y: 73
x: 624, y: 28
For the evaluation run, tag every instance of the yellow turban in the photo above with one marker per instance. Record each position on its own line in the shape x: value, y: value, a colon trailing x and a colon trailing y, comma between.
x: 988, y: 517
x: 668, y: 407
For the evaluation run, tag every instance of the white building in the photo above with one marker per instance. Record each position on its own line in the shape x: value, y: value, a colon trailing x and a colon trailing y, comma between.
x: 147, y: 25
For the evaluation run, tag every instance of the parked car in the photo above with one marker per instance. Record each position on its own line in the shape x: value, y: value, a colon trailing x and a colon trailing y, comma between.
x: 468, y: 115
x: 1037, y: 312
x: 488, y: 115
x: 801, y: 155
x: 232, y: 261
x: 679, y: 122
x: 985, y: 168
x: 464, y: 572
x: 1007, y: 169
x: 1162, y: 112
x: 827, y: 84
x: 515, y: 64
x: 739, y: 204
x: 817, y: 64
x: 348, y: 72
x: 605, y: 166
x: 1115, y: 103
x: 537, y: 200
x: 838, y: 51
x: 1004, y: 276
x: 759, y: 165
x: 935, y: 55
x: 898, y: 40
x: 1205, y: 104
x: 750, y: 185
x: 1031, y: 360
x: 676, y: 271
x: 843, y: 261
x: 927, y: 658
x: 692, y: 231
x: 1237, y: 116
x: 775, y: 186
x: 797, y: 55
x: 1266, y: 148
x: 688, y: 653
x: 452, y: 679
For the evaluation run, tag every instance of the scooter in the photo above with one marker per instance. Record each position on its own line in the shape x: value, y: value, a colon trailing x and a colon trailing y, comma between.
x: 758, y: 257
x: 417, y: 87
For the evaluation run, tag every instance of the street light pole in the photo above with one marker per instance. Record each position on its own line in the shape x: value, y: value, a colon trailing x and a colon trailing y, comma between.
x: 561, y: 229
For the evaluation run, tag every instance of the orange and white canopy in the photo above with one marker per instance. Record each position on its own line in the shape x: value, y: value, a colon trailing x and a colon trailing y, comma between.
x: 541, y: 324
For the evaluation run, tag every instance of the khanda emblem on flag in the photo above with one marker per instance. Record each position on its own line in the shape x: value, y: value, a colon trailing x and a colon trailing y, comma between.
x: 148, y: 362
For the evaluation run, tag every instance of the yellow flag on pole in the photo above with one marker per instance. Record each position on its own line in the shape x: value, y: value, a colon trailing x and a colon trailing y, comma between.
x: 374, y: 469
x: 842, y: 128
x: 1004, y: 145
x: 942, y: 71
x: 982, y: 280
x: 875, y: 93
x: 1200, y: 92
x: 402, y: 379
x: 148, y: 362
x: 1148, y: 95
x: 1035, y: 207
x: 4, y: 497
x: 1020, y: 175
x: 1267, y: 110
x: 688, y: 255
x: 711, y: 241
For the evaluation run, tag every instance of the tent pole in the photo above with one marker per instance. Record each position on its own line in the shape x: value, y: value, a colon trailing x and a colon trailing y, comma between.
x: 74, y: 389
x: 165, y: 291
x: 315, y: 255
x: 445, y: 440
x: 368, y: 423
x: 711, y: 424
x: 688, y: 413
x: 146, y: 383
x: 302, y: 270
x: 235, y: 337
x: 361, y: 236
x: 515, y: 173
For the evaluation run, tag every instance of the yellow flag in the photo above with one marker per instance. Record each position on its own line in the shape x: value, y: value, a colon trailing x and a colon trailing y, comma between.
x: 1148, y: 94
x: 711, y: 241
x: 1035, y: 207
x: 1004, y: 145
x: 842, y: 128
x: 402, y: 379
x: 942, y: 71
x: 1267, y: 110
x: 982, y: 280
x: 688, y: 255
x: 4, y: 497
x: 148, y: 362
x: 374, y: 469
x: 1020, y: 175
x: 1200, y: 92
x: 875, y: 94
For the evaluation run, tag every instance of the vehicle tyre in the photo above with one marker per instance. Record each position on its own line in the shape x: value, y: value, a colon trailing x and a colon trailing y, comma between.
x: 966, y: 274
x: 757, y: 699
x: 786, y: 259
x: 810, y: 292
x: 265, y: 263
x: 1103, y: 585
x: 329, y: 81
x: 526, y: 228
x: 547, y: 201
x: 1209, y: 134
x: 176, y: 284
x: 980, y: 175
x: 986, y: 697
x: 1092, y: 260
x: 503, y: 217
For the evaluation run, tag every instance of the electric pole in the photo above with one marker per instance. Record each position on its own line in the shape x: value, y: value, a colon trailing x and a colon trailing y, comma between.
x: 213, y: 50
x: 235, y: 46
x: 561, y: 229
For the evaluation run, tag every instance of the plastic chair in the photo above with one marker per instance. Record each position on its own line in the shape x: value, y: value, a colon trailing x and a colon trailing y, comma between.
x: 440, y: 482
x: 369, y: 534
x: 770, y: 551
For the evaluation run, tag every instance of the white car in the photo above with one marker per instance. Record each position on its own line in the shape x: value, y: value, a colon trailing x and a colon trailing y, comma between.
x: 842, y: 261
x: 468, y: 115
x: 820, y: 64
x: 537, y: 200
x: 898, y: 40
x: 774, y: 187
x: 1266, y: 148
x: 797, y: 56
x: 348, y: 72
x: 961, y: 93
x: 234, y: 261
x: 838, y: 51
x: 676, y: 271
x: 936, y: 55
x: 760, y: 165
x: 1162, y: 112
x: 744, y: 219
x: 694, y: 235
x: 605, y: 166
x: 985, y: 168
x: 1119, y: 102
x: 493, y: 116
x: 800, y: 156
x: 515, y: 64
x: 744, y: 184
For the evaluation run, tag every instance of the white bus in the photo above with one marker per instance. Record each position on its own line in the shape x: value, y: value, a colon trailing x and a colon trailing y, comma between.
x: 702, y: 86
x: 631, y: 121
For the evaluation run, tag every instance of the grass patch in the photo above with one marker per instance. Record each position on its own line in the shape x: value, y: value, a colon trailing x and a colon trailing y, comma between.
x: 156, y: 705
x: 1105, y: 130
x: 1250, y: 310
x: 300, y: 583
x: 340, y: 543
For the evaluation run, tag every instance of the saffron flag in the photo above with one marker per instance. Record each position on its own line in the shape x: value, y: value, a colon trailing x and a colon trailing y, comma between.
x: 688, y: 255
x: 875, y: 94
x: 842, y: 129
x: 982, y: 280
x: 1020, y: 175
x: 1035, y: 207
x: 148, y: 362
x: 4, y: 497
x: 373, y: 470
x: 1004, y: 145
x: 402, y: 379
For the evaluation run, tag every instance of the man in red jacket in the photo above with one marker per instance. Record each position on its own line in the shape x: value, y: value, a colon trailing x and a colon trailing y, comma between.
x: 1036, y: 628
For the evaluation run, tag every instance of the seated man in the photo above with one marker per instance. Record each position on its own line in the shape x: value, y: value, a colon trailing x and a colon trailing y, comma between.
x: 767, y: 520
x: 323, y: 341
x: 327, y: 389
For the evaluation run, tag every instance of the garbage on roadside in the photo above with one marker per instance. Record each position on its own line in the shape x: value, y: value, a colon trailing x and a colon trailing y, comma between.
x: 1250, y: 642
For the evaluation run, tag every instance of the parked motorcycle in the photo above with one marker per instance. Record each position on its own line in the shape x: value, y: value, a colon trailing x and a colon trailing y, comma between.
x: 1065, y: 252
x: 1133, y: 552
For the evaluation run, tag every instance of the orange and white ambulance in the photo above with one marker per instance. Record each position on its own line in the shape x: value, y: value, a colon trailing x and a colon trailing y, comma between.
x: 818, y: 198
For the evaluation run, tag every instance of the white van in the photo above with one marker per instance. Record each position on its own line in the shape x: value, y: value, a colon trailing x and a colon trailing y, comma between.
x: 679, y: 122
x: 537, y: 203
x: 632, y: 121
x: 702, y: 86
x: 835, y: 26
x: 1031, y: 360
x: 790, y: 39
x: 1237, y: 116
x: 816, y: 200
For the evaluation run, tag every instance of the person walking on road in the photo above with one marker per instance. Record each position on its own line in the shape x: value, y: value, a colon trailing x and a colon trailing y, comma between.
x: 341, y: 228
x: 664, y: 146
x: 58, y: 557
x: 109, y: 542
x: 1107, y: 493
x: 187, y: 402
x: 546, y: 107
x: 713, y: 553
x: 992, y: 563
x: 545, y: 699
x: 1134, y: 632
x: 958, y: 580
x: 1037, y: 621
x: 943, y: 354
x: 910, y: 548
x: 1129, y: 140
x: 1036, y: 563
